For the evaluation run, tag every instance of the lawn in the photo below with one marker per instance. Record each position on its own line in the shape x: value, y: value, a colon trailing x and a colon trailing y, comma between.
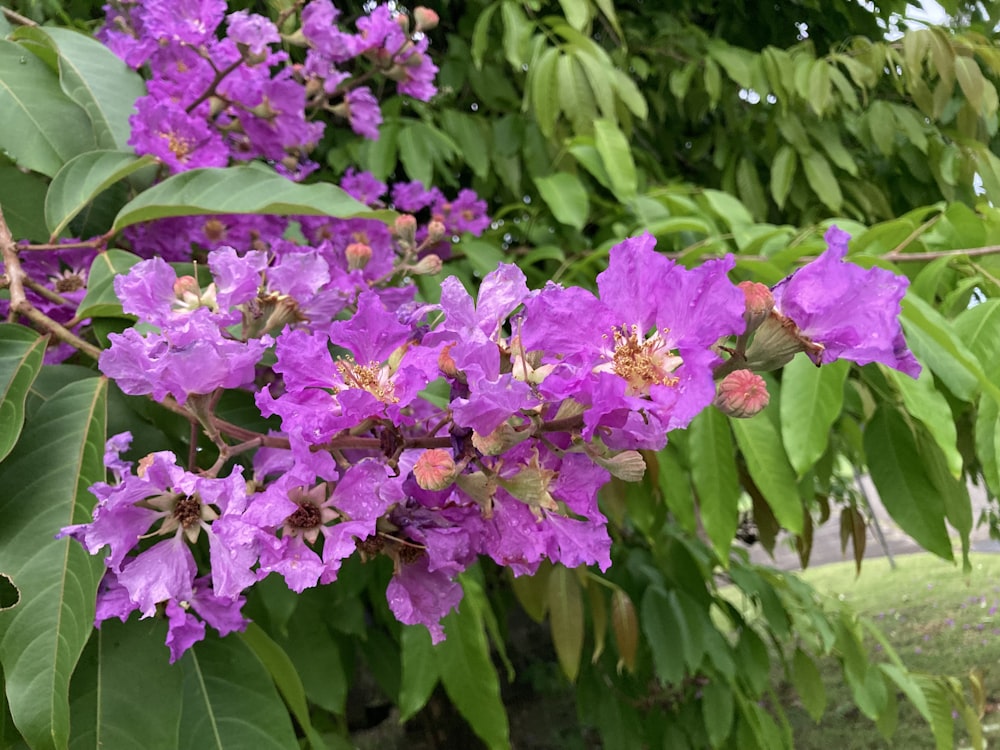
x: 937, y: 618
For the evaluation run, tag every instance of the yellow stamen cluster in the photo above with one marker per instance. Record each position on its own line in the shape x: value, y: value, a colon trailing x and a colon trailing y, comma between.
x: 643, y: 362
x: 372, y: 377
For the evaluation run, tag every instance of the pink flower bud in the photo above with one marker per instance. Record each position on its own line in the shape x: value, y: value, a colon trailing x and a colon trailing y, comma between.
x: 446, y: 364
x: 427, y: 266
x: 759, y: 301
x: 434, y: 469
x: 742, y: 394
x: 426, y: 18
x: 405, y: 227
x: 358, y: 254
x: 435, y: 231
x: 186, y: 285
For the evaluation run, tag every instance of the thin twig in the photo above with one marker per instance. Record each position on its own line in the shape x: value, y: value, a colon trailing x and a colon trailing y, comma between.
x: 19, y: 303
x: 17, y: 17
x: 44, y: 291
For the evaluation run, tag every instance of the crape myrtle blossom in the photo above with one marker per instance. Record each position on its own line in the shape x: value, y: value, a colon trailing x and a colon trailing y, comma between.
x: 639, y: 357
x: 831, y: 309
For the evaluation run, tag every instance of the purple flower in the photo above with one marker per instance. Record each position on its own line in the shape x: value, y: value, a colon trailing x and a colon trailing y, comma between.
x: 180, y: 140
x: 419, y: 596
x: 413, y: 196
x: 190, y: 21
x: 363, y: 186
x: 846, y: 311
x: 319, y: 28
x: 467, y: 213
x: 363, y: 112
x: 640, y: 358
x: 254, y: 31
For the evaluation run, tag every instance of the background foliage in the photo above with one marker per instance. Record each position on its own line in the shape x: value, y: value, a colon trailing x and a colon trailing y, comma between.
x: 719, y: 127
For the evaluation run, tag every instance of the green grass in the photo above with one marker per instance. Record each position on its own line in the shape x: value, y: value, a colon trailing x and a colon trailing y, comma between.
x: 938, y: 619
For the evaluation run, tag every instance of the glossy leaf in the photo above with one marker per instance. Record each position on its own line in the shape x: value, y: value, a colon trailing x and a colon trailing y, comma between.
x: 822, y: 180
x: 59, y: 455
x: 22, y: 197
x: 420, y: 671
x: 82, y: 179
x: 236, y: 190
x: 286, y: 679
x: 125, y: 693
x: 40, y: 127
x: 229, y: 700
x: 469, y: 677
x: 811, y: 400
x: 904, y: 487
x: 101, y: 300
x: 96, y: 79
x: 768, y: 465
x: 713, y: 472
x: 929, y: 405
x: 21, y: 352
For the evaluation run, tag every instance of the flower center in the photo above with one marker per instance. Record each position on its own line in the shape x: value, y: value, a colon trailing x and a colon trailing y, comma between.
x: 372, y: 377
x: 188, y: 511
x: 306, y: 517
x: 180, y: 146
x: 643, y: 362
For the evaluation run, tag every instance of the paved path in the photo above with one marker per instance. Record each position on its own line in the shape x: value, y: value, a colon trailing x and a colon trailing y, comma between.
x: 826, y: 539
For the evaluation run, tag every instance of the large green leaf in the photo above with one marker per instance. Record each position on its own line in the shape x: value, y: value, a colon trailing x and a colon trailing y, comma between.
x: 21, y: 353
x: 928, y: 404
x: 811, y: 400
x: 46, y: 477
x: 420, y: 671
x: 230, y: 701
x: 768, y: 466
x: 40, y: 127
x: 566, y: 197
x: 566, y: 619
x: 286, y: 679
x: 124, y: 692
x: 902, y: 482
x: 616, y: 154
x: 95, y: 78
x: 933, y: 341
x: 468, y: 674
x: 713, y: 471
x: 988, y: 440
x: 101, y: 300
x: 82, y: 179
x: 977, y: 328
x: 237, y: 190
x: 664, y: 632
x: 22, y: 196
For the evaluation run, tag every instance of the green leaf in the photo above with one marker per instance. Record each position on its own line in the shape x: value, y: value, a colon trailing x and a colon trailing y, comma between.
x: 768, y: 465
x: 934, y: 342
x: 977, y: 328
x: 811, y: 400
x: 82, y: 179
x: 566, y: 197
x: 230, y: 701
x: 124, y: 692
x: 822, y: 180
x: 717, y: 711
x: 22, y: 196
x: 713, y: 472
x: 566, y: 619
x: 516, y: 32
x: 928, y: 404
x: 988, y: 440
x: 21, y: 353
x: 286, y: 679
x: 616, y: 154
x: 46, y: 477
x: 95, y: 78
x: 481, y: 34
x: 782, y: 173
x: 420, y: 671
x: 970, y: 79
x: 808, y: 684
x: 902, y: 482
x: 663, y: 634
x: 470, y: 679
x: 101, y: 300
x: 544, y: 91
x: 40, y: 127
x: 237, y: 190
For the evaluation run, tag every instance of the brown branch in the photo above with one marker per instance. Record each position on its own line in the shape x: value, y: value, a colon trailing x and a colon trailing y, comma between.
x: 17, y: 17
x: 935, y: 254
x: 44, y: 291
x: 19, y: 303
x: 95, y: 242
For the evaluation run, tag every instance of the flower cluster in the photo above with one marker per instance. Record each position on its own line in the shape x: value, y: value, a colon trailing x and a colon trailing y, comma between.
x: 221, y: 91
x: 551, y: 391
x: 541, y: 395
